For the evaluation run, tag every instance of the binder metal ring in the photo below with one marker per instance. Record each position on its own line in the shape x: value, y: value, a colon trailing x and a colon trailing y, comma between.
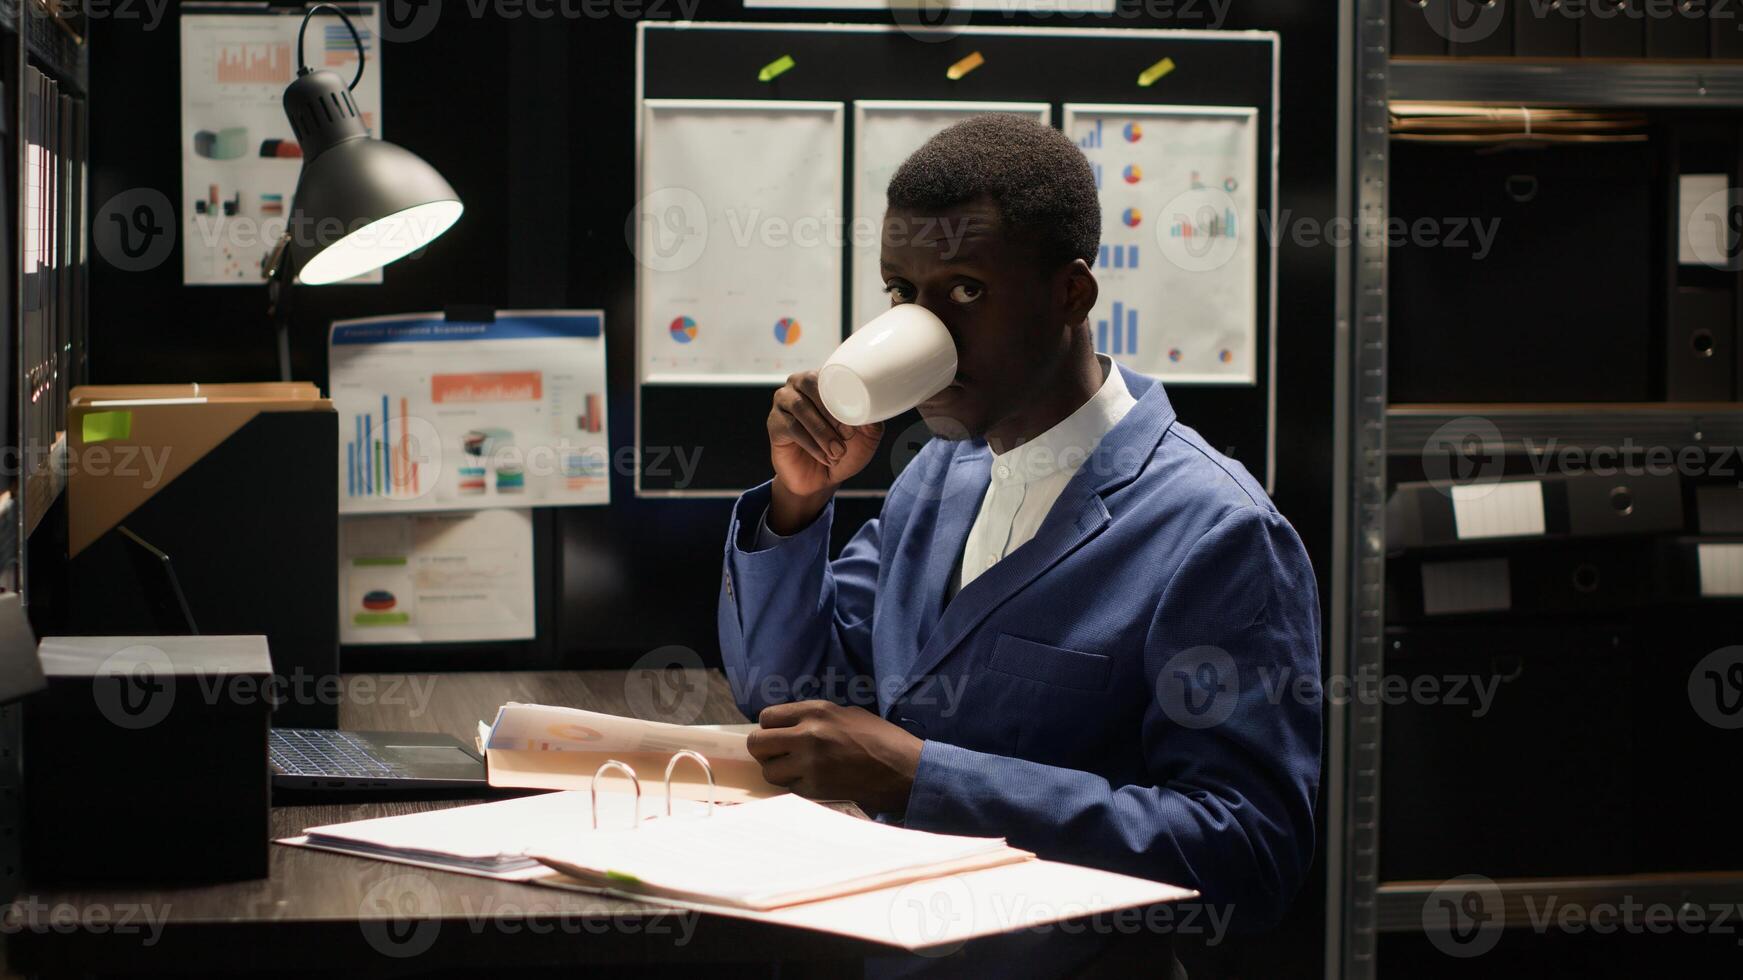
x: 707, y: 770
x: 593, y: 788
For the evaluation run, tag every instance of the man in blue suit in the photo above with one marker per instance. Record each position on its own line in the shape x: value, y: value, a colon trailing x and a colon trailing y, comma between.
x: 1074, y: 624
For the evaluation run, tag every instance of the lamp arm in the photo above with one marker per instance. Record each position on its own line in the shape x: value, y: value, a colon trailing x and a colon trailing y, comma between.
x: 357, y: 39
x: 278, y: 287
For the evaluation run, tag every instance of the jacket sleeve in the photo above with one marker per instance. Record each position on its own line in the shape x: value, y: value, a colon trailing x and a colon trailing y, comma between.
x: 793, y: 624
x: 1230, y: 733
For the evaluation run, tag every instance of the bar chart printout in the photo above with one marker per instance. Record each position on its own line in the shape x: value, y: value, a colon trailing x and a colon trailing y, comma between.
x: 240, y: 160
x: 1179, y: 213
x: 438, y: 414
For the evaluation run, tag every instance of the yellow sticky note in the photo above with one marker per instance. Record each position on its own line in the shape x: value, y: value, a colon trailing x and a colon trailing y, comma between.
x: 964, y: 66
x: 100, y: 426
x: 775, y: 68
x: 1148, y: 76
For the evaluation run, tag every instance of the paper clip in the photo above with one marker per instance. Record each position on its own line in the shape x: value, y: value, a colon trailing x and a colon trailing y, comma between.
x: 593, y: 788
x: 707, y: 770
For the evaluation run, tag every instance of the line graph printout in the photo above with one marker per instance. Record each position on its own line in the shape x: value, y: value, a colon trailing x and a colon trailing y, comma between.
x: 1178, y: 264
x: 739, y: 234
x: 439, y: 414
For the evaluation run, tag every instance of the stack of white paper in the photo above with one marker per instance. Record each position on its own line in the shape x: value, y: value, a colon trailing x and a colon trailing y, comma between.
x: 489, y: 837
x: 768, y: 854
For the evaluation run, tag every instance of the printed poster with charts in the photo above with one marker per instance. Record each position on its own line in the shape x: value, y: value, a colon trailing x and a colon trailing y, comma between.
x: 240, y: 163
x: 884, y: 134
x: 739, y: 239
x: 1178, y: 264
x: 438, y: 414
x: 436, y: 578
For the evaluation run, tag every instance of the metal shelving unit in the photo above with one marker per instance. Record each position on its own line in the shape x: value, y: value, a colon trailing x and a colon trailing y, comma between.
x: 1595, y: 82
x: 43, y: 39
x: 1400, y: 903
x: 1369, y: 431
x: 1410, y: 428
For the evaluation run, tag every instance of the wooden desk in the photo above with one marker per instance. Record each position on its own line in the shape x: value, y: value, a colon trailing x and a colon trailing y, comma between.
x: 321, y: 912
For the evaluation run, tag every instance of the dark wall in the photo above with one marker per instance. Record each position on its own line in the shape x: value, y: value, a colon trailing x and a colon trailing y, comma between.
x: 532, y: 122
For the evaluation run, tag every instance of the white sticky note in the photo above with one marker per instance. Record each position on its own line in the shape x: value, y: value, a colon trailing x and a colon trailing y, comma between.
x: 1465, y: 586
x: 1721, y: 569
x: 1703, y: 227
x: 1498, y: 510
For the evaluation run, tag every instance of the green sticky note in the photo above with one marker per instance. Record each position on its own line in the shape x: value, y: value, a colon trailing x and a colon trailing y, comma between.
x: 100, y: 426
x: 775, y: 68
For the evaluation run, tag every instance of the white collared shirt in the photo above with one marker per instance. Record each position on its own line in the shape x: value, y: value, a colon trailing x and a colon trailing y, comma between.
x: 1025, y: 481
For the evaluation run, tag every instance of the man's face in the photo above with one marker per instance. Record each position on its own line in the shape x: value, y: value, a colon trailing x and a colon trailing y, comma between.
x: 994, y: 296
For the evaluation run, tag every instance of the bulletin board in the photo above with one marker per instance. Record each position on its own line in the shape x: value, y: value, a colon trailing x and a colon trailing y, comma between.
x: 1205, y: 89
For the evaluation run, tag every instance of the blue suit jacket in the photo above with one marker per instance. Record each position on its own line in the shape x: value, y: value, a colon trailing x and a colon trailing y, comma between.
x: 1136, y: 688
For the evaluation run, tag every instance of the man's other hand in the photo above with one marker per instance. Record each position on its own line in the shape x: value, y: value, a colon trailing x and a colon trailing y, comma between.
x: 824, y: 751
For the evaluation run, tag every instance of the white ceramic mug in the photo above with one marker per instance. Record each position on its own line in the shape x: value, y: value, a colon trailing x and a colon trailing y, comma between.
x: 898, y: 360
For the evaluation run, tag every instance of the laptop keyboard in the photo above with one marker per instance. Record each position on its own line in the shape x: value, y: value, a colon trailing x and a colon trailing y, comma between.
x: 325, y: 752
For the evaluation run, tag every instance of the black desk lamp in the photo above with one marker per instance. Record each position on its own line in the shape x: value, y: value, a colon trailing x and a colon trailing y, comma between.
x: 360, y: 202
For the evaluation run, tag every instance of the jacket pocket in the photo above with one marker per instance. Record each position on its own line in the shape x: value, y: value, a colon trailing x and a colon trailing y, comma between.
x: 1049, y: 664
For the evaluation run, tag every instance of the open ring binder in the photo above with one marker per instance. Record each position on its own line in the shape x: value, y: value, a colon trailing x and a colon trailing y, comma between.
x: 593, y: 789
x: 707, y: 770
x: 671, y: 764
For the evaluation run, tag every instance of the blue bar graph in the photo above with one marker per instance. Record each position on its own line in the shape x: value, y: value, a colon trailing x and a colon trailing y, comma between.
x: 1117, y: 257
x: 368, y: 464
x: 1122, y: 337
x: 1093, y: 140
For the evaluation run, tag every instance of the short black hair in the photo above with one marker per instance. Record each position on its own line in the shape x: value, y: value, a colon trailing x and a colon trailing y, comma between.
x: 1034, y: 174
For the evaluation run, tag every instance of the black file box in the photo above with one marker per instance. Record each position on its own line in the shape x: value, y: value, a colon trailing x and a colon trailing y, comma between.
x: 1534, y: 781
x: 145, y: 760
x: 1591, y: 504
x: 1687, y: 708
x: 1545, y: 29
x: 1522, y: 579
x: 1554, y: 307
x: 1700, y: 346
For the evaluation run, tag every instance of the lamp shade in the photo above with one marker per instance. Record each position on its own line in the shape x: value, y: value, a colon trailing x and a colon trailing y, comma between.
x: 360, y: 202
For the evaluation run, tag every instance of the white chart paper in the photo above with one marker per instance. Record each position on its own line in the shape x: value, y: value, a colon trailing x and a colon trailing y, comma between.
x: 437, y: 414
x: 240, y: 162
x: 884, y: 134
x: 739, y: 236
x: 1179, y: 259
x: 436, y: 578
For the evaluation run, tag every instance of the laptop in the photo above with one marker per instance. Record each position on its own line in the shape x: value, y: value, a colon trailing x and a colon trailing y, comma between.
x: 323, y: 758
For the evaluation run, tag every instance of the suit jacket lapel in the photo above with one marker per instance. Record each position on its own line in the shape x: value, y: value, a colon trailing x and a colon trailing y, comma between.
x: 958, y: 486
x: 1077, y: 516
